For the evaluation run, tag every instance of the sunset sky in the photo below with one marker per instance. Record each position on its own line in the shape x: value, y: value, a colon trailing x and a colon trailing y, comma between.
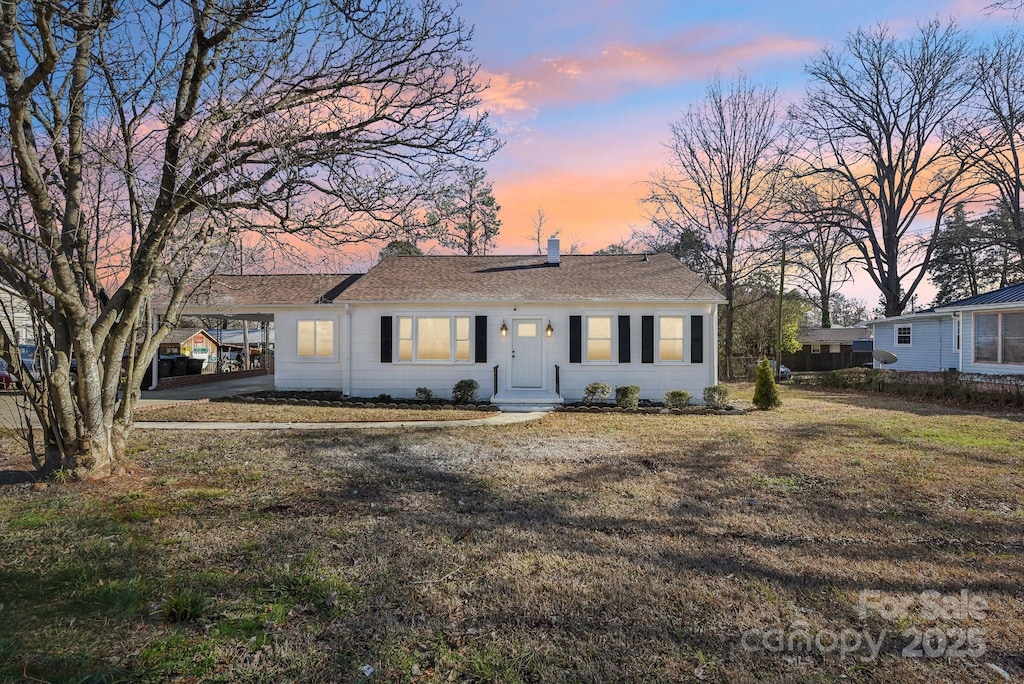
x: 582, y: 91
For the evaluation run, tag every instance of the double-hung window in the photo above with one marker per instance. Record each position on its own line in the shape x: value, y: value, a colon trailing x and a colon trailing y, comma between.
x: 903, y: 337
x: 670, y: 339
x: 316, y: 339
x: 435, y: 339
x: 599, y: 339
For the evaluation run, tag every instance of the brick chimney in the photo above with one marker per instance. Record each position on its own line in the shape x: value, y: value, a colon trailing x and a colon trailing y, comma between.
x: 554, y: 257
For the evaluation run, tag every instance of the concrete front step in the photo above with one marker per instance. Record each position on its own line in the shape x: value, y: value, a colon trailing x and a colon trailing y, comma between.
x: 526, y: 401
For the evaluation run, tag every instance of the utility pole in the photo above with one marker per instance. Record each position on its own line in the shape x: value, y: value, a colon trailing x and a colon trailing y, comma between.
x: 778, y: 343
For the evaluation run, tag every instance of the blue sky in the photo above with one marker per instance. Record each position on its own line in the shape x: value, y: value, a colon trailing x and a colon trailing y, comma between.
x: 583, y: 92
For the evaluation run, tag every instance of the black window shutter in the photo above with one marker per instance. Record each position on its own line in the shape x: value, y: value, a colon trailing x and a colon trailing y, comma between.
x: 575, y: 339
x: 696, y: 339
x: 481, y: 339
x: 647, y: 341
x: 623, y: 339
x: 386, y: 338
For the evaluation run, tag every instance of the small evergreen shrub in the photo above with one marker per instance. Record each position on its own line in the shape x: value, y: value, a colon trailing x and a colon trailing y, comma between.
x: 766, y: 392
x: 677, y: 398
x: 424, y: 393
x: 627, y: 396
x: 383, y: 398
x: 596, y: 391
x: 465, y: 391
x: 716, y: 396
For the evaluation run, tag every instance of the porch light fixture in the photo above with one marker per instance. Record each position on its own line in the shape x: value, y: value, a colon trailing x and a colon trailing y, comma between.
x: 549, y: 330
x: 503, y: 329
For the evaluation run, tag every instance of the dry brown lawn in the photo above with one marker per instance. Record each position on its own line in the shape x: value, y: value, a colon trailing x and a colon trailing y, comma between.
x: 577, y: 548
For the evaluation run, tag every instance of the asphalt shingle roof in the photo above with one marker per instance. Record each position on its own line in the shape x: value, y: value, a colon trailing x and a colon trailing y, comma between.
x: 253, y: 290
x: 832, y: 335
x: 628, y: 277
x: 1006, y: 295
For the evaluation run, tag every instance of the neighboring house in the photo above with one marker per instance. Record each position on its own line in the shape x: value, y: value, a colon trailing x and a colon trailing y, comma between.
x: 825, y: 349
x: 530, y: 330
x: 923, y: 341
x: 15, y: 318
x: 194, y: 342
x: 981, y: 334
x: 991, y: 331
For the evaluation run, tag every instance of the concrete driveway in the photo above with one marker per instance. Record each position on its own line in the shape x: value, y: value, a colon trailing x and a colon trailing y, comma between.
x: 10, y: 416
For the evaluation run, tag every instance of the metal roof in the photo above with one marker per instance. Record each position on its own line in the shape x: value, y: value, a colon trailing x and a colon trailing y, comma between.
x: 1006, y: 295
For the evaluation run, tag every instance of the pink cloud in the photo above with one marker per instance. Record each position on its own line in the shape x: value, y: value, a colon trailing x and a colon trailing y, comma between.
x: 616, y: 69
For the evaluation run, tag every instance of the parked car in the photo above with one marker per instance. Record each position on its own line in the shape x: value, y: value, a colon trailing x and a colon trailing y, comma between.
x: 784, y: 372
x: 6, y: 379
x: 32, y: 360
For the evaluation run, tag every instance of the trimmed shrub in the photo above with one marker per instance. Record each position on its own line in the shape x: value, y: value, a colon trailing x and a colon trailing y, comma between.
x: 677, y: 398
x: 383, y: 398
x: 596, y: 391
x: 424, y: 393
x: 627, y: 396
x: 766, y: 392
x: 716, y: 396
x: 465, y: 391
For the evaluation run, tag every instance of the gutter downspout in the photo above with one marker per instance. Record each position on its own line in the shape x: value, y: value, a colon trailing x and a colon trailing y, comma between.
x: 958, y: 331
x: 346, y: 380
x: 714, y: 327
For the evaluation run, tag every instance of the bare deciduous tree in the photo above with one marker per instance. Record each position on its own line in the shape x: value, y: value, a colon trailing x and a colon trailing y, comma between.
x: 537, y: 234
x: 995, y: 143
x: 878, y: 121
x: 727, y: 158
x: 820, y: 247
x: 138, y: 138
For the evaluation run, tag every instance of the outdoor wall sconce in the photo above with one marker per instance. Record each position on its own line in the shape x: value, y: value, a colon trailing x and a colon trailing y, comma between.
x: 549, y: 330
x: 503, y: 329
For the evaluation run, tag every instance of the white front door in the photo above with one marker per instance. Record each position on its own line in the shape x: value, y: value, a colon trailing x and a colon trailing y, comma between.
x: 527, y: 353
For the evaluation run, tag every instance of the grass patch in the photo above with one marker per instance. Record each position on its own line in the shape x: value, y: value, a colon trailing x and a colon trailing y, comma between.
x: 609, y: 547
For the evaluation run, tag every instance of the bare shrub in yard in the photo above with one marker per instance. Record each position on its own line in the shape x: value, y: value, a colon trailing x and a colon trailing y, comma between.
x: 627, y: 396
x: 464, y: 391
x: 716, y: 396
x: 596, y: 391
x: 677, y: 398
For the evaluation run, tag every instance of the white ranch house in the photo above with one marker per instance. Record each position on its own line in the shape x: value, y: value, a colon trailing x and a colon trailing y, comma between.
x: 983, y: 334
x: 533, y: 331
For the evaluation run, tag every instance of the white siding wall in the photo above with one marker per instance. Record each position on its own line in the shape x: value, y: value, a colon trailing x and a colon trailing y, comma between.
x: 14, y: 316
x: 932, y: 347
x: 294, y: 373
x: 371, y: 377
x: 969, y: 365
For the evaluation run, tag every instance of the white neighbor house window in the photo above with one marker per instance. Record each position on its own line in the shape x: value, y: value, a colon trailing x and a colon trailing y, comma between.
x: 815, y: 348
x: 434, y: 338
x: 903, y: 335
x: 670, y: 339
x: 599, y: 339
x: 316, y: 339
x: 999, y: 338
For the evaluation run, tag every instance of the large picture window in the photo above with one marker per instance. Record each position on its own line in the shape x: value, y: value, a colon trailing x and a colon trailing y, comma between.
x: 670, y: 339
x: 316, y: 339
x: 434, y: 338
x: 599, y: 339
x: 999, y: 338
